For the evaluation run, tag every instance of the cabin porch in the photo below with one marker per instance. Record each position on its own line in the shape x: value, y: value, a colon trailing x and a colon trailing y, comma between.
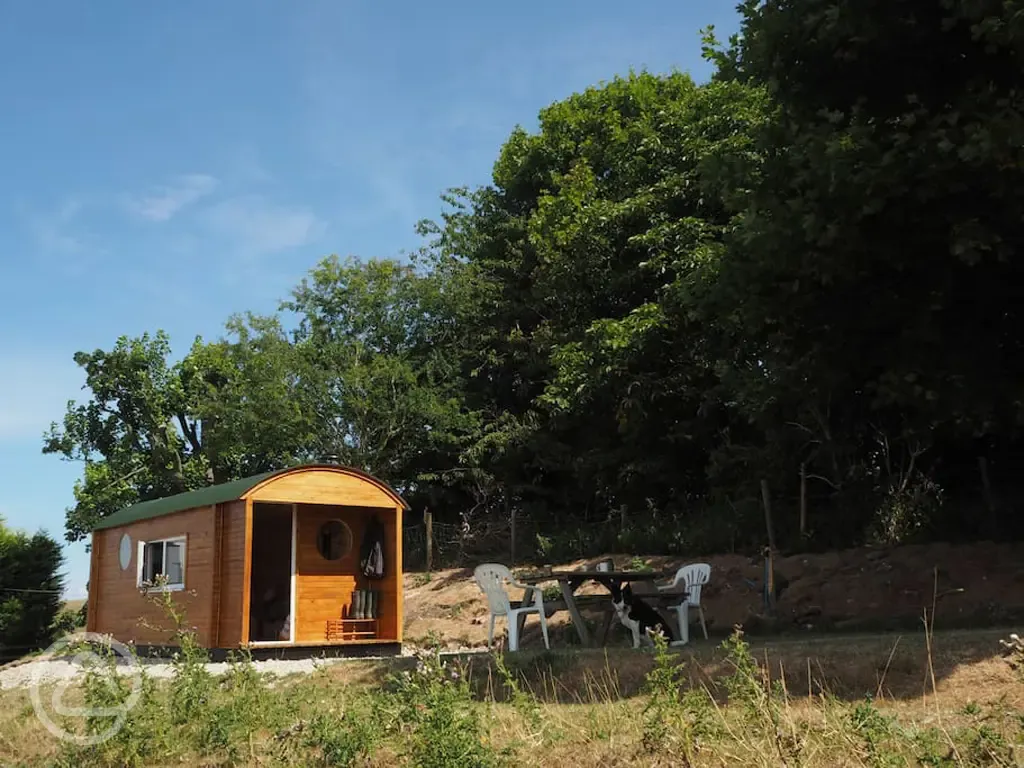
x: 304, y: 571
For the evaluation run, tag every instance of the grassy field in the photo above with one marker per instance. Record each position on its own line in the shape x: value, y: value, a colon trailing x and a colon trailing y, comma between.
x: 947, y: 699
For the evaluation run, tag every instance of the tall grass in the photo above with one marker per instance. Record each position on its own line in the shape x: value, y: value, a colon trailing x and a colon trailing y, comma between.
x: 438, y: 712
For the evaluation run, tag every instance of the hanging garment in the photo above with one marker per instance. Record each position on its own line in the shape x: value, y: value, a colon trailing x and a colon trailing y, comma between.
x: 371, y: 559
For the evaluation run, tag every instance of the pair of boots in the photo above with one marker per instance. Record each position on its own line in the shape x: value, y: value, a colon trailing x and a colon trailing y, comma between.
x: 365, y: 603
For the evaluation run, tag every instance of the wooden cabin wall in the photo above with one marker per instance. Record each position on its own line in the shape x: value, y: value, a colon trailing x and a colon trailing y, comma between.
x: 92, y: 588
x: 323, y: 588
x: 390, y: 624
x: 231, y: 575
x: 119, y: 607
x: 324, y: 488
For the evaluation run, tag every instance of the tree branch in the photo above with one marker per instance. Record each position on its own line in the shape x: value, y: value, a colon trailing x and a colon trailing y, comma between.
x: 189, y: 430
x: 826, y: 481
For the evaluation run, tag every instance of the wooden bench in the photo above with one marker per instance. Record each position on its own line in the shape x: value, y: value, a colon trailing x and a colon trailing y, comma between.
x: 582, y: 601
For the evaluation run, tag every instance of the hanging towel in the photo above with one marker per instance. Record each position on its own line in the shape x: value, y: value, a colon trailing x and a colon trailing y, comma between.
x: 371, y: 560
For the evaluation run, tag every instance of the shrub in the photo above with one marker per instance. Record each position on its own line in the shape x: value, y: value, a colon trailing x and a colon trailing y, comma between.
x: 30, y: 589
x: 67, y: 622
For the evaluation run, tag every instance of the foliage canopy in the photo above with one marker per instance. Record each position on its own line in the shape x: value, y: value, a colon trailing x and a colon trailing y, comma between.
x: 805, y: 271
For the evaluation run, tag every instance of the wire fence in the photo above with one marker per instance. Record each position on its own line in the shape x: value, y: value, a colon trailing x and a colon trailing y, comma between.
x: 441, y: 544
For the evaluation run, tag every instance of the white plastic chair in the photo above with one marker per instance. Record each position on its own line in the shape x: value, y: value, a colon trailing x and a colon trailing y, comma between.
x: 693, y: 577
x: 492, y: 578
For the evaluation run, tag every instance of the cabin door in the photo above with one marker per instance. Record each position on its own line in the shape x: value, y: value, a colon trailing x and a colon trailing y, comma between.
x: 272, y: 596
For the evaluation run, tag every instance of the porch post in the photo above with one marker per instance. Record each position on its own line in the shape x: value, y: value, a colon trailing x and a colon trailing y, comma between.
x: 295, y: 544
x: 247, y: 573
x: 399, y: 583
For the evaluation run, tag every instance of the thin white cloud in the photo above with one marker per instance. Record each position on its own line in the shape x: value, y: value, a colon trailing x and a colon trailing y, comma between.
x: 163, y: 202
x: 254, y: 225
x: 53, y: 229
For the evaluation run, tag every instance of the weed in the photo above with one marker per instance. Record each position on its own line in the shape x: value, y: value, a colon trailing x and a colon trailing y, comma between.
x: 342, y: 739
x: 877, y: 733
x: 639, y: 564
x: 456, y: 609
x: 142, y: 737
x: 552, y: 593
x: 193, y: 684
x: 760, y: 699
x: 446, y: 728
x: 662, y: 686
x: 598, y: 731
x: 245, y: 706
x: 970, y: 709
x: 982, y: 745
x: 422, y: 579
x: 545, y: 547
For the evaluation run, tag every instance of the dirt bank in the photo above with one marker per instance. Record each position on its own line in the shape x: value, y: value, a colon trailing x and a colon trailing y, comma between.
x: 971, y: 585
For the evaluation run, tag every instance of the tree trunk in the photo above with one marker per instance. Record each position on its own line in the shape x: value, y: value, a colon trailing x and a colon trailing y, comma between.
x: 214, y: 472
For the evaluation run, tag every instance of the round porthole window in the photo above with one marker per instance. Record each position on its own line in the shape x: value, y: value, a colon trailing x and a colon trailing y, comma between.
x: 124, y: 552
x: 334, y: 540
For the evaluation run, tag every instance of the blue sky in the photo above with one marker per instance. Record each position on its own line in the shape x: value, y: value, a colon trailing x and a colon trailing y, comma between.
x: 167, y: 164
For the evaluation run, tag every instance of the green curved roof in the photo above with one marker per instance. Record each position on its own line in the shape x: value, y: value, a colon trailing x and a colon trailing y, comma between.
x: 214, y: 494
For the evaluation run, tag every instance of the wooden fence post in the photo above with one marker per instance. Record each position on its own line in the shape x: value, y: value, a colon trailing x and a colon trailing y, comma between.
x: 769, y: 560
x: 428, y: 524
x: 767, y: 499
x: 512, y: 521
x: 803, y: 501
x: 769, y: 582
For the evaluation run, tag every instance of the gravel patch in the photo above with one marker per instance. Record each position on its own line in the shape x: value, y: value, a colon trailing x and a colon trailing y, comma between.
x: 57, y: 670
x: 52, y: 670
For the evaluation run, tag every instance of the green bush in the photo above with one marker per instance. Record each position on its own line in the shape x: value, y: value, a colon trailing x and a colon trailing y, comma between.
x: 67, y: 622
x: 30, y: 591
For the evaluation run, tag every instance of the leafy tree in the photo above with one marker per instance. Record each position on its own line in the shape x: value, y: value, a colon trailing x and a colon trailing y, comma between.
x: 380, y: 369
x: 585, y: 260
x: 878, y: 256
x: 132, y: 435
x: 153, y: 428
x: 246, y: 393
x: 30, y: 590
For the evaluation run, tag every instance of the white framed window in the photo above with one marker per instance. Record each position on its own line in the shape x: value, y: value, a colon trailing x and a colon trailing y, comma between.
x: 162, y: 557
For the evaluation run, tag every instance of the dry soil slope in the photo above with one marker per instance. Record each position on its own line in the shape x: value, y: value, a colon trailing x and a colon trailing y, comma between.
x: 857, y: 589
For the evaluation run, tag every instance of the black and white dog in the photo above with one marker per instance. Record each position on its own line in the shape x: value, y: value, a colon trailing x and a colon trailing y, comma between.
x: 638, y: 617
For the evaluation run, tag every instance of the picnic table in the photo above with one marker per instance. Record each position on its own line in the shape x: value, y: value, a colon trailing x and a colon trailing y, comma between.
x: 571, y: 581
